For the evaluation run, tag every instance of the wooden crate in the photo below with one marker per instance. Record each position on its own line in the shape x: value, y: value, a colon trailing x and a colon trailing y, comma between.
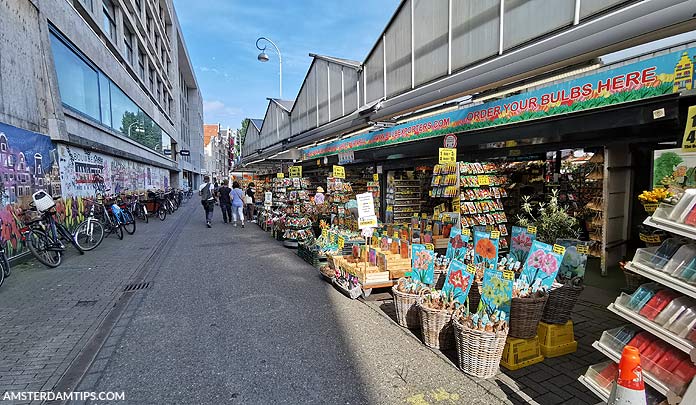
x: 440, y: 242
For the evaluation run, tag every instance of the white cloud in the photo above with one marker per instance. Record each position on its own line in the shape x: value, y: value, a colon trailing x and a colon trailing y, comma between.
x: 218, y: 111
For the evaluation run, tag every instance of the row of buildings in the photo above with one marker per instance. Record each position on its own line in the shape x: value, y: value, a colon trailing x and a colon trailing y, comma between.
x: 106, y: 84
x: 219, y: 150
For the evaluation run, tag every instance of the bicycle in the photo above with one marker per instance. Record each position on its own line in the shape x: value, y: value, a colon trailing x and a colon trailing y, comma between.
x: 107, y: 219
x: 138, y: 209
x: 4, y: 265
x: 44, y: 235
x: 158, y: 207
x: 122, y: 212
x: 90, y: 232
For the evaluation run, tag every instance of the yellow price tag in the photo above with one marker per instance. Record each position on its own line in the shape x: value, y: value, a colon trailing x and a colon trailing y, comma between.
x: 280, y: 175
x: 559, y: 249
x: 583, y: 249
x: 508, y: 275
x: 375, y: 177
x: 295, y: 171
x: 415, y: 215
x: 324, y: 233
x: 339, y: 172
x: 341, y: 242
x: 332, y: 237
x: 470, y: 268
x: 448, y: 155
x: 495, y: 234
x: 396, y: 235
x: 424, y: 216
x: 456, y: 205
x: 429, y: 246
x: 466, y: 232
x: 484, y: 180
x: 531, y: 230
x: 689, y: 141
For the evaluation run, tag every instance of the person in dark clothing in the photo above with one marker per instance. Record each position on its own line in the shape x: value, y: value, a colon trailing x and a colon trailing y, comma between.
x: 249, y: 202
x: 225, y: 202
x: 207, y: 193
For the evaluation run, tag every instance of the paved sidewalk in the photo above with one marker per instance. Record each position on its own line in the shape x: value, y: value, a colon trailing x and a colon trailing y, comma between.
x: 48, y: 315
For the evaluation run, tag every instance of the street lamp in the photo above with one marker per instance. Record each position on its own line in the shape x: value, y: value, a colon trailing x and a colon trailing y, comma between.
x: 137, y: 129
x: 263, y: 57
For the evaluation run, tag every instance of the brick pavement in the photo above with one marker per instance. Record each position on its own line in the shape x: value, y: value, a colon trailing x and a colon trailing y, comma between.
x: 49, y: 315
x: 553, y: 381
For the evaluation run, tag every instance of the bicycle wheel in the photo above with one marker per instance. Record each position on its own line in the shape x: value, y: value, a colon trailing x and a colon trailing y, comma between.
x: 128, y: 222
x: 162, y: 213
x: 39, y: 243
x: 2, y: 277
x: 5, y: 264
x: 143, y: 214
x: 89, y: 234
x: 69, y: 236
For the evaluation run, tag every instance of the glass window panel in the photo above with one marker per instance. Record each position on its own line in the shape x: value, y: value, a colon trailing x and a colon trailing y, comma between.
x: 105, y: 100
x: 77, y: 81
x: 124, y: 113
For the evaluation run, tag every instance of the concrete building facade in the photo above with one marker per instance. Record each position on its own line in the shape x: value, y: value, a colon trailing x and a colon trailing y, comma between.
x: 110, y: 83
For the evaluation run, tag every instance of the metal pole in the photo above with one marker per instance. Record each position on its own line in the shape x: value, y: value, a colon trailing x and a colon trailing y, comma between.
x: 280, y: 60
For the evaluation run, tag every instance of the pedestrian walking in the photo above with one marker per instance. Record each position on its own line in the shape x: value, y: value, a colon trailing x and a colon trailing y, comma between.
x: 207, y: 193
x: 225, y: 201
x: 249, y: 201
x: 237, y: 203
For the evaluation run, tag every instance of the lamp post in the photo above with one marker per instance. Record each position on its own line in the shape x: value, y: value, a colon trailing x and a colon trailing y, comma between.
x: 263, y: 57
x: 137, y: 129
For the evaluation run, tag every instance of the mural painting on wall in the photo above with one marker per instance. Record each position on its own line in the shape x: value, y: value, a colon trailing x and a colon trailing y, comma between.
x: 27, y: 164
x: 82, y: 173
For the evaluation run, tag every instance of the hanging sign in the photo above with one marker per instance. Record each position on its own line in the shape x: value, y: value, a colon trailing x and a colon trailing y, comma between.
x: 689, y: 141
x: 448, y: 155
x: 268, y: 197
x: 346, y: 157
x: 339, y: 172
x: 366, y: 205
x: 450, y: 141
x: 280, y: 175
x: 295, y: 171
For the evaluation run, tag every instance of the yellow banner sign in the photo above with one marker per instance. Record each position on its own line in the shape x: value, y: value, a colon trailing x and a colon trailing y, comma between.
x: 295, y: 171
x: 689, y: 141
x: 448, y: 155
x: 339, y: 172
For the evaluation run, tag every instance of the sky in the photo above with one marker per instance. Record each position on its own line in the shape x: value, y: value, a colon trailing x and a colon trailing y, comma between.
x: 221, y: 34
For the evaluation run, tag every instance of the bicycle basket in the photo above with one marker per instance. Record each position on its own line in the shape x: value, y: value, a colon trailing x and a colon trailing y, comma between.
x: 43, y: 201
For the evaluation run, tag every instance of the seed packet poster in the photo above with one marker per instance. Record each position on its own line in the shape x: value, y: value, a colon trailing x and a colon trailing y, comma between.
x: 458, y: 281
x: 496, y: 294
x: 541, y: 267
x: 456, y: 249
x: 485, y: 250
x: 574, y: 263
x: 521, y: 243
x: 422, y: 264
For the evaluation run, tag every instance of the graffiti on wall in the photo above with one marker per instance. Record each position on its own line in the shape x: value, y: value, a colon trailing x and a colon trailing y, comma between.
x: 82, y: 171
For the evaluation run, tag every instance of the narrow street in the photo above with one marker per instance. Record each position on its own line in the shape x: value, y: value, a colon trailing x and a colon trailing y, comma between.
x: 229, y: 316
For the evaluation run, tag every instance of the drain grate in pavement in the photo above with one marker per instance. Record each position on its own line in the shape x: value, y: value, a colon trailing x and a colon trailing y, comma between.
x: 136, y: 287
x: 85, y: 303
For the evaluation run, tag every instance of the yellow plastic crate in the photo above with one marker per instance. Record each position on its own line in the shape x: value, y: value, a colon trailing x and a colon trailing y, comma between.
x: 520, y: 353
x: 551, y: 335
x: 560, y: 350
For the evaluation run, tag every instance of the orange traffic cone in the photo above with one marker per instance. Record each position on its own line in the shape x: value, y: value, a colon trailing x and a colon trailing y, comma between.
x: 628, y: 389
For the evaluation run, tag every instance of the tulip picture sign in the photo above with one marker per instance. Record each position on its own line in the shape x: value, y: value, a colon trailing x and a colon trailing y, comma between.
x: 496, y: 294
x: 459, y: 280
x: 485, y: 250
x: 521, y: 243
x: 422, y: 264
x: 456, y: 248
x: 541, y: 267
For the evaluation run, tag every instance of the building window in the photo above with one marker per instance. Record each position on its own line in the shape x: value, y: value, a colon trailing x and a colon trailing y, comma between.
x: 109, y: 19
x: 78, y: 81
x: 141, y: 65
x: 159, y: 91
x: 152, y: 81
x: 128, y: 42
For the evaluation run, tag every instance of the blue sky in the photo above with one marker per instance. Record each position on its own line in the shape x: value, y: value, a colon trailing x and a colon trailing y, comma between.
x: 221, y: 35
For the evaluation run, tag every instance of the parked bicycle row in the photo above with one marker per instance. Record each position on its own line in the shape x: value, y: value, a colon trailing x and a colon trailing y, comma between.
x: 106, y: 215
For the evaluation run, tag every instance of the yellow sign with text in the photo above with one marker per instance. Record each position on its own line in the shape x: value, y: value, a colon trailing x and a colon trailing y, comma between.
x: 295, y: 171
x: 484, y: 180
x: 375, y: 177
x: 448, y: 155
x: 339, y: 172
x: 367, y: 222
x: 583, y: 249
x: 429, y: 246
x: 325, y: 233
x: 531, y: 230
x: 341, y: 242
x: 280, y: 175
x: 689, y: 141
x: 456, y: 205
x: 495, y: 234
x: 559, y: 249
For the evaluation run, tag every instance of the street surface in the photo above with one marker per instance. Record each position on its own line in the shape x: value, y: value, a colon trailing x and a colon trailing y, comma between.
x: 229, y: 316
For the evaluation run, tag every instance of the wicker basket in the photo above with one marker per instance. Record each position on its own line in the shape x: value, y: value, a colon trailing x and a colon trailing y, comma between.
x: 479, y: 352
x: 525, y: 314
x: 406, y: 309
x: 440, y: 277
x: 633, y: 280
x: 436, y: 327
x: 561, y: 302
x: 474, y: 297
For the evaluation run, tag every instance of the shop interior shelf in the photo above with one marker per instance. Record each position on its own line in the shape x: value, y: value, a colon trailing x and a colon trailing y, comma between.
x: 596, y: 389
x: 671, y: 226
x: 662, y: 278
x: 657, y: 330
x: 672, y: 397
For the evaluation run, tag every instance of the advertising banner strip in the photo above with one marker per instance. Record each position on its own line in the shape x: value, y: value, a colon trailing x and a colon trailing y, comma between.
x: 657, y: 76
